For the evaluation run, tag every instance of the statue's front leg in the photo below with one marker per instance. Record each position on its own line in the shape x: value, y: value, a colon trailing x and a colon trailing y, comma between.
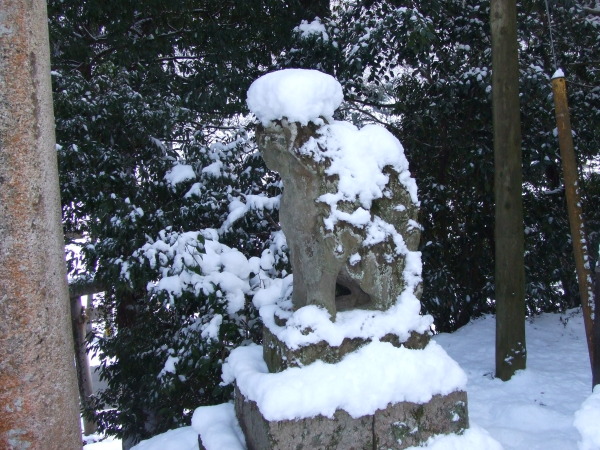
x: 315, y: 272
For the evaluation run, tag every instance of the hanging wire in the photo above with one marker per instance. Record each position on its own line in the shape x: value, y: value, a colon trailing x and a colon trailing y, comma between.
x: 550, y: 32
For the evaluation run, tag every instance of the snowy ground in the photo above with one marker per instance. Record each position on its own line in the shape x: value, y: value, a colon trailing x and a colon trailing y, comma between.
x: 534, y: 410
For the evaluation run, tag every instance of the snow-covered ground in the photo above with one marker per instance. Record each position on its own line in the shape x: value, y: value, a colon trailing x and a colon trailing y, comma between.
x: 534, y: 410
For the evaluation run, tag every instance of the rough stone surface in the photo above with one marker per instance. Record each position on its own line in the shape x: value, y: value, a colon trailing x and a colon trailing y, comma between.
x: 408, y: 424
x: 279, y: 356
x: 315, y: 433
x: 323, y: 275
x: 399, y: 426
x: 39, y: 408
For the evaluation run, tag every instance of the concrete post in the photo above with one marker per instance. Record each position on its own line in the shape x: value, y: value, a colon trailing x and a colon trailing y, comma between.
x: 38, y: 387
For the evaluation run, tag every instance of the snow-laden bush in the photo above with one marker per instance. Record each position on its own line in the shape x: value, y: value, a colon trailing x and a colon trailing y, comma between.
x: 183, y: 294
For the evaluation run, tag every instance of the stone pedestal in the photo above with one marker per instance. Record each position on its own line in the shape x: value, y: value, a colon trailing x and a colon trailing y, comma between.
x: 399, y: 426
x: 279, y: 357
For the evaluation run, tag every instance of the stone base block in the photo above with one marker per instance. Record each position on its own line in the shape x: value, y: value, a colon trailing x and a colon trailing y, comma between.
x: 279, y: 356
x: 399, y: 426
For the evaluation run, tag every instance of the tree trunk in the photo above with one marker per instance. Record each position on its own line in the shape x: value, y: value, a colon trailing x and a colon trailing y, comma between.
x: 38, y: 385
x: 79, y: 322
x: 511, y: 354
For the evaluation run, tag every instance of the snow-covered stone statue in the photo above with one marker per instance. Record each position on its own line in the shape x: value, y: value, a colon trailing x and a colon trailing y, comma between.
x: 348, y: 210
x: 346, y: 361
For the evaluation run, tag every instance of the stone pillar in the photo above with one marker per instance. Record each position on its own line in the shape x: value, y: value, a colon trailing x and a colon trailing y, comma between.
x: 38, y: 387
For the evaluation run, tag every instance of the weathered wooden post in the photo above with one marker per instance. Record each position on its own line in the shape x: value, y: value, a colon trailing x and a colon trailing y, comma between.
x: 573, y: 198
x: 596, y: 330
x: 38, y: 387
x: 80, y: 323
x: 511, y: 351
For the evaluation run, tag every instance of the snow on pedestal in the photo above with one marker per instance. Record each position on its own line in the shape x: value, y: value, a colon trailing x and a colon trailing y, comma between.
x: 363, y: 382
x: 347, y: 360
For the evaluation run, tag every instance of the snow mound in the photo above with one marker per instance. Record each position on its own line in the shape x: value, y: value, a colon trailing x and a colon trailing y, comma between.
x: 473, y: 438
x: 184, y: 438
x: 587, y: 421
x: 218, y: 427
x: 300, y: 95
x: 361, y: 383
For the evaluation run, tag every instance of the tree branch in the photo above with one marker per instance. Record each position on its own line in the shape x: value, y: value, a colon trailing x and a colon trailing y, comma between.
x: 593, y: 11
